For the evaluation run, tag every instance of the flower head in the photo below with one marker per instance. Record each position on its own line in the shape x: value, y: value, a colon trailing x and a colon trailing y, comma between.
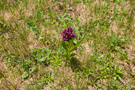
x: 68, y: 34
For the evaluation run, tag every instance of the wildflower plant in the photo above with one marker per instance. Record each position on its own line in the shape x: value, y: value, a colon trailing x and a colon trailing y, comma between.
x: 68, y: 42
x: 68, y: 34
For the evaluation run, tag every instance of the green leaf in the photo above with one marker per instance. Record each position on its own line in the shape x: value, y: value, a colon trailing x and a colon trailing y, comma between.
x: 29, y: 23
x: 33, y: 69
x: 65, y: 55
x: 18, y: 59
x: 47, y: 54
x: 64, y: 13
x: 78, y: 44
x: 42, y: 59
x: 70, y: 43
x: 35, y: 30
x: 40, y: 38
x: 25, y: 75
x: 45, y: 49
x: 48, y: 51
x: 64, y: 45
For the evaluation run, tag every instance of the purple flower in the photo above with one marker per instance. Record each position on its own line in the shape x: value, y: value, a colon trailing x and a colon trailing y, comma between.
x: 68, y: 34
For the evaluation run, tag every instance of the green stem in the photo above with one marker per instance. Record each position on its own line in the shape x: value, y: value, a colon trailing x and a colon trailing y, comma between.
x: 68, y: 49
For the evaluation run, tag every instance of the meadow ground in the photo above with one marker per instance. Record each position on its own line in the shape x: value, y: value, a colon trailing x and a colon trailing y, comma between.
x: 32, y: 54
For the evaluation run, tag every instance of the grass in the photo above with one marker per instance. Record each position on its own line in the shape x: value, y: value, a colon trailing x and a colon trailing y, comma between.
x: 32, y: 54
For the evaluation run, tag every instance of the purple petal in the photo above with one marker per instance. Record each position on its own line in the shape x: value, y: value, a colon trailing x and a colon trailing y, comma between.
x: 73, y: 35
x: 64, y: 31
x: 68, y: 33
x: 70, y: 29
x: 64, y: 38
